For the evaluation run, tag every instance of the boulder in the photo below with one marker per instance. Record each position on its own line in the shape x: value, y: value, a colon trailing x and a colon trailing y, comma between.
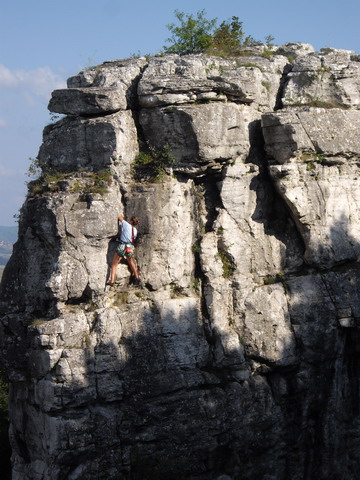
x: 326, y: 132
x: 313, y: 155
x: 120, y: 75
x: 92, y: 144
x: 201, y: 137
x: 88, y: 101
x: 174, y: 80
x: 331, y: 79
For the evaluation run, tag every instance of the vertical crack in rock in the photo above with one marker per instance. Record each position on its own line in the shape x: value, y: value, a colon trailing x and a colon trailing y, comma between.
x: 314, y: 147
x: 283, y: 82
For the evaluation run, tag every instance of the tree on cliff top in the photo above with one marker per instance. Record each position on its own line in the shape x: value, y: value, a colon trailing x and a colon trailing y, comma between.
x: 199, y: 35
x: 229, y: 38
x: 194, y: 35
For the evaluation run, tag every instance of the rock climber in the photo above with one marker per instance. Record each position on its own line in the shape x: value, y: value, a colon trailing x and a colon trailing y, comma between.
x: 126, y: 249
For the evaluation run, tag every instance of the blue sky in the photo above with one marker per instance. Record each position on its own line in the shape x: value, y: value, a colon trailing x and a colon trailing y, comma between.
x: 43, y: 42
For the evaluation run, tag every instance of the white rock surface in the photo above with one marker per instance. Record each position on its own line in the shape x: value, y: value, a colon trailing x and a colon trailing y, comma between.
x: 332, y: 78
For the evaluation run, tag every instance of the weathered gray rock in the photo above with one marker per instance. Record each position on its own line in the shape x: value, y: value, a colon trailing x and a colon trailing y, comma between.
x: 191, y: 79
x: 315, y: 153
x: 109, y: 74
x: 326, y: 132
x: 295, y: 49
x: 70, y: 268
x: 239, y: 355
x: 88, y: 101
x: 166, y: 208
x: 93, y: 144
x: 267, y: 317
x: 332, y: 79
x: 322, y: 209
x: 120, y: 75
x: 201, y: 137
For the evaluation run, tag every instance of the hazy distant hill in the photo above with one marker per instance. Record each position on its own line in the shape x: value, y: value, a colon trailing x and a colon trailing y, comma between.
x: 8, y: 234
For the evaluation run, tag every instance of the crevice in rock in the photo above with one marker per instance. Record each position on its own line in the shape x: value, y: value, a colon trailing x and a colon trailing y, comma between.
x: 89, y: 116
x: 283, y: 82
x: 212, y: 198
x: 351, y: 364
x: 271, y: 208
x: 132, y: 92
x: 207, y: 204
x: 135, y: 107
x: 86, y: 297
x: 44, y: 308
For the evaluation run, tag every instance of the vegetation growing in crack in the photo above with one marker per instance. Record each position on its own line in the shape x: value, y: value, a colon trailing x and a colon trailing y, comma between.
x: 227, y: 261
x: 37, y: 321
x: 153, y: 164
x: 97, y: 182
x: 196, y: 248
x: 176, y: 291
x: 311, y: 159
x: 49, y: 180
x: 196, y: 285
x: 310, y: 166
x: 327, y: 50
x: 120, y: 299
x: 271, y: 279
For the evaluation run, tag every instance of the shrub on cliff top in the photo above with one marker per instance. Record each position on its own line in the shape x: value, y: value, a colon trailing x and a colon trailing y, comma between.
x: 200, y: 35
x: 229, y: 39
x: 193, y: 35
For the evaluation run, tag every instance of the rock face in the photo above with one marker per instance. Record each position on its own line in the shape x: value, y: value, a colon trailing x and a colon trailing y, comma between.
x: 239, y: 357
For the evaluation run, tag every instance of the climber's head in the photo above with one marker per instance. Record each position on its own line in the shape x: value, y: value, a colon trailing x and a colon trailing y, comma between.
x: 134, y: 221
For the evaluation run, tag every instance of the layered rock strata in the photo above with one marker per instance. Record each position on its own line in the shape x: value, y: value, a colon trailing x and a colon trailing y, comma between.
x: 239, y: 357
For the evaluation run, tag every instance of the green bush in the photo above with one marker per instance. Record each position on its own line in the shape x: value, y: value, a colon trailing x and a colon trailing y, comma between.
x: 45, y: 180
x: 193, y: 35
x: 271, y: 279
x: 90, y: 182
x: 310, y: 166
x: 227, y: 261
x: 200, y: 35
x: 229, y: 39
x: 196, y: 284
x: 152, y: 164
x: 34, y: 169
x: 98, y: 182
x: 196, y: 247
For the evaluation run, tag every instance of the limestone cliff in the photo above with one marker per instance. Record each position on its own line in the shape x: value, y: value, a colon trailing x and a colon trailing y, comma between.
x: 239, y: 358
